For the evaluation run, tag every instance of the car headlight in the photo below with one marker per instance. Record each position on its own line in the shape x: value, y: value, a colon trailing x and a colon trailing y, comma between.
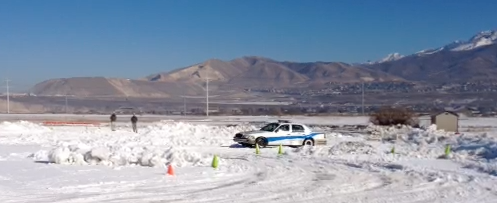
x: 251, y: 137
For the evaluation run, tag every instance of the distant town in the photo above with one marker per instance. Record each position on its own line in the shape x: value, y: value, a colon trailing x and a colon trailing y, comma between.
x: 470, y: 98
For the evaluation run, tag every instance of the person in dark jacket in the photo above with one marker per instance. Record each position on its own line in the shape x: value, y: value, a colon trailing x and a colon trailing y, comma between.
x: 134, y: 120
x: 113, y: 119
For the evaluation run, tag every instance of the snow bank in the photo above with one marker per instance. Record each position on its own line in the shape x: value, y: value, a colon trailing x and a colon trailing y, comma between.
x: 340, y: 148
x: 351, y: 147
x: 186, y: 134
x: 158, y: 145
x: 407, y: 141
x: 22, y: 127
x: 186, y: 144
x: 476, y: 146
x: 431, y: 143
x: 417, y: 135
x: 121, y: 156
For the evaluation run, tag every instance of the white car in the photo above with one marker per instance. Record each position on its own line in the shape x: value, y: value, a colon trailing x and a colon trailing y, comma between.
x: 286, y: 133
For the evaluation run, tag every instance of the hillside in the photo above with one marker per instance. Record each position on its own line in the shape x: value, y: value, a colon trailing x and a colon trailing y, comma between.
x: 113, y: 87
x: 263, y: 72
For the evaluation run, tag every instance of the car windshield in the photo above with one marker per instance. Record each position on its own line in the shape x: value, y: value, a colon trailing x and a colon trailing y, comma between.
x: 270, y: 127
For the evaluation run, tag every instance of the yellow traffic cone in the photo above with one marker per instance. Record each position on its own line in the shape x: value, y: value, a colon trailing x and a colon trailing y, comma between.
x: 447, y: 151
x: 257, y: 150
x: 280, y: 149
x: 215, y: 161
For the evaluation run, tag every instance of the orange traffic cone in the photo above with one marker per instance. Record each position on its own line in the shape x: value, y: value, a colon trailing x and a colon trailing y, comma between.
x: 170, y: 170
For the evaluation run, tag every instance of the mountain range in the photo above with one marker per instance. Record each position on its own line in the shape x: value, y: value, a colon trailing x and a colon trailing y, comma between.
x: 459, y: 61
x: 481, y: 39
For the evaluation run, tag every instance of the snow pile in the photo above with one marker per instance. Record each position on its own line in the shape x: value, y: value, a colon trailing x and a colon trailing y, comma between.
x: 408, y: 141
x: 431, y: 143
x: 150, y: 156
x: 157, y: 145
x: 417, y: 136
x: 341, y: 148
x: 186, y: 134
x: 490, y: 169
x: 351, y: 147
x: 413, y: 142
x: 476, y: 146
x: 22, y: 127
x: 307, y: 151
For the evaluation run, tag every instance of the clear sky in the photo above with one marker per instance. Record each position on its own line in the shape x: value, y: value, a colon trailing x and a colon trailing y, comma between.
x: 123, y: 38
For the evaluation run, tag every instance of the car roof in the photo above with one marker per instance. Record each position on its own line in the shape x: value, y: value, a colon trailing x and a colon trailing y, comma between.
x: 290, y: 123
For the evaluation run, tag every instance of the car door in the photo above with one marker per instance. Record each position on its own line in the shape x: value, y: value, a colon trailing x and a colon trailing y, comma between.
x: 281, y: 135
x: 298, y: 134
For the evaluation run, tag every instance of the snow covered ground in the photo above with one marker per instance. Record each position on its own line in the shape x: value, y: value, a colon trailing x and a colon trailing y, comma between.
x: 94, y: 164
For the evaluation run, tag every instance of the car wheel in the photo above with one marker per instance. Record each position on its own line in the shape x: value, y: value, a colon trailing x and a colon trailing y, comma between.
x: 309, y: 142
x: 261, y: 141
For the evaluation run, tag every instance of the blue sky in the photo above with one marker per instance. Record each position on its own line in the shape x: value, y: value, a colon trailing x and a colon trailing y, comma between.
x: 122, y: 38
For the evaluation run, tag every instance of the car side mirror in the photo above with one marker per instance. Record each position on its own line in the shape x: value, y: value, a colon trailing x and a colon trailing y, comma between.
x: 277, y: 130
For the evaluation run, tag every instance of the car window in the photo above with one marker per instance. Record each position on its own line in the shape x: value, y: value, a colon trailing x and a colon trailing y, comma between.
x: 284, y: 128
x: 297, y: 128
x: 270, y: 127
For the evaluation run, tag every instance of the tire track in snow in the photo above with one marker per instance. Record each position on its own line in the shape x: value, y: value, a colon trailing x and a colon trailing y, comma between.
x: 266, y: 179
x: 253, y: 178
x: 407, y: 185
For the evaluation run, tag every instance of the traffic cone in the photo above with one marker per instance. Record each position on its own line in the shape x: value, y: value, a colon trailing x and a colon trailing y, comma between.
x: 280, y: 149
x: 215, y: 161
x: 257, y: 150
x: 170, y: 170
x: 447, y: 150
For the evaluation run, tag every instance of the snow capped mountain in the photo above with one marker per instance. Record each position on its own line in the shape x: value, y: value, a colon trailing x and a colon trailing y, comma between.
x: 483, y: 38
x: 391, y: 57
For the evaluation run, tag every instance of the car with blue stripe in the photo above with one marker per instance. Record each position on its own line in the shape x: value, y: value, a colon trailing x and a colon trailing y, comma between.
x: 281, y: 133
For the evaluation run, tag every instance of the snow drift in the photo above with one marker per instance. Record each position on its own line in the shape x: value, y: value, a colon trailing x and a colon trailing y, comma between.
x: 125, y: 156
x: 22, y: 127
x: 160, y: 144
x: 185, y: 144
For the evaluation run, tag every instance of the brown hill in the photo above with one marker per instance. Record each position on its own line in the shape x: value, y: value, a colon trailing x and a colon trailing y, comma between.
x: 226, y: 77
x: 113, y: 87
x: 250, y: 72
x: 478, y: 64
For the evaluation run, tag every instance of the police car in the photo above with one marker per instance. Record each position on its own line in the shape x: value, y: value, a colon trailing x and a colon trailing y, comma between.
x: 282, y: 132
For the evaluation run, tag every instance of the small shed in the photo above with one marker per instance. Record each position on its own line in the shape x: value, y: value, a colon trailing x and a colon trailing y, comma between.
x: 446, y: 120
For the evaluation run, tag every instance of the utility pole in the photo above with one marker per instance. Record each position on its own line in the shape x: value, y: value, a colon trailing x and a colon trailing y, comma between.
x: 184, y: 106
x: 207, y: 94
x: 362, y: 98
x: 8, y: 96
x: 66, y: 104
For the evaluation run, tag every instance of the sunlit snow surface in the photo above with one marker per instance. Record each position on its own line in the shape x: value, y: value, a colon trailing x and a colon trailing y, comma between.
x: 92, y: 164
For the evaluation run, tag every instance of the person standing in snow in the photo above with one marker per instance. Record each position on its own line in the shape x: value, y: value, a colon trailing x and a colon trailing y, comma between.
x: 134, y: 120
x: 113, y: 119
